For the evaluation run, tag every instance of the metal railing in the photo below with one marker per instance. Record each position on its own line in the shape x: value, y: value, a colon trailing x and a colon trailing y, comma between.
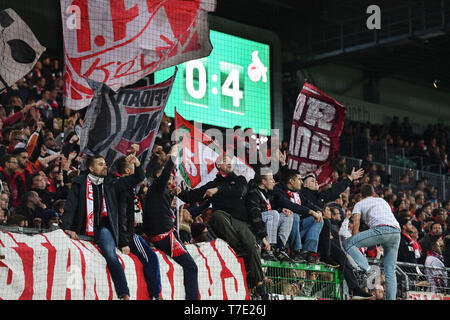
x: 32, y: 231
x: 387, y: 155
x: 412, y: 279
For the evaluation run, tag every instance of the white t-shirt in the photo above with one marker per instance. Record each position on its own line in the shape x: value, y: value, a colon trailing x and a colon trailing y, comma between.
x: 436, y: 278
x: 375, y: 212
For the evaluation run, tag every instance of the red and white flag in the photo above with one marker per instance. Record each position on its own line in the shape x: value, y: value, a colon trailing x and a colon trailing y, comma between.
x: 199, y: 153
x: 316, y: 127
x: 118, y: 42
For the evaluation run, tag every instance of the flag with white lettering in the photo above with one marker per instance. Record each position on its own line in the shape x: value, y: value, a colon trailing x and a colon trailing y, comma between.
x: 19, y: 48
x: 316, y: 127
x: 198, y: 155
x: 118, y: 42
x: 115, y: 121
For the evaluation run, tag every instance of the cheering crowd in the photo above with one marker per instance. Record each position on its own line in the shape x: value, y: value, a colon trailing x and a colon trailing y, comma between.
x: 279, y: 216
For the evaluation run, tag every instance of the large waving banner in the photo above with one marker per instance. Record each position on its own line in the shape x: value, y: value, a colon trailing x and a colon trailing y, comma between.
x: 51, y: 266
x: 316, y: 127
x: 199, y: 153
x: 118, y: 42
x: 115, y: 121
x: 19, y: 48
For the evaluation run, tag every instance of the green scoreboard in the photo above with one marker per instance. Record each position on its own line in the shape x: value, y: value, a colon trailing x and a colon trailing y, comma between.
x: 229, y: 87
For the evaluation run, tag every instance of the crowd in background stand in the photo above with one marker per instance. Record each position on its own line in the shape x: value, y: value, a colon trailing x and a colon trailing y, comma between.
x: 427, y: 150
x: 40, y: 156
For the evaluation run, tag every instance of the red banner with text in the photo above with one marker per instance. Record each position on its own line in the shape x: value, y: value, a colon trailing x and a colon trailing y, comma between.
x: 317, y: 124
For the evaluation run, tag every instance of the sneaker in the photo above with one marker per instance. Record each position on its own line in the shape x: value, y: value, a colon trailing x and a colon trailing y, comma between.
x: 298, y: 256
x: 282, y: 256
x: 360, y: 294
x: 268, y: 255
x: 330, y: 262
x: 261, y: 291
x: 312, y: 258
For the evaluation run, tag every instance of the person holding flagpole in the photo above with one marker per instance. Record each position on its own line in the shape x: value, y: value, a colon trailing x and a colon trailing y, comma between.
x: 130, y: 214
x: 159, y: 223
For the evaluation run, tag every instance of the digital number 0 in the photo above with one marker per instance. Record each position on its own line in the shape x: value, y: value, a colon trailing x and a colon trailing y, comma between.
x: 193, y: 92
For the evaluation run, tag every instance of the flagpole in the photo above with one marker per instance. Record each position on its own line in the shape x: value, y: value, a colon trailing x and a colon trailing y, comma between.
x: 7, y: 88
x: 62, y: 133
x: 176, y: 178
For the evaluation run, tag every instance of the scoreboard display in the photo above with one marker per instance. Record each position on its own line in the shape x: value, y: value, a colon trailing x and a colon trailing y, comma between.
x: 229, y: 87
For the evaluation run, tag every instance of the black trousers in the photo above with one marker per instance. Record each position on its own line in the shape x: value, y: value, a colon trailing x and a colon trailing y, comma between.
x: 324, y: 247
x: 344, y: 265
x: 239, y: 236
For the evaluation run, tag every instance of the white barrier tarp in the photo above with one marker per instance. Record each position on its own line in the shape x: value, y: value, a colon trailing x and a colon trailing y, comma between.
x: 53, y: 266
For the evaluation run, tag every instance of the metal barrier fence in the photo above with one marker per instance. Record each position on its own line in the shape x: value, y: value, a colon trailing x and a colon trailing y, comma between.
x: 292, y: 281
x: 414, y: 281
x: 33, y: 231
x: 416, y: 277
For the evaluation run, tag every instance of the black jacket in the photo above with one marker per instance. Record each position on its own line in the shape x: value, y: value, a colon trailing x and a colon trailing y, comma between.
x: 321, y: 198
x: 158, y: 215
x: 126, y: 216
x: 74, y: 217
x: 229, y: 197
x: 256, y: 205
x: 282, y: 200
x: 406, y: 251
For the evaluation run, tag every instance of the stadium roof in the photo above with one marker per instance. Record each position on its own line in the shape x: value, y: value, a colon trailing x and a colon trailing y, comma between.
x: 413, y: 43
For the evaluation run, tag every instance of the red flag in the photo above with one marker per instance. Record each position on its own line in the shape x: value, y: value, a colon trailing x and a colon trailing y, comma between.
x: 118, y: 42
x: 316, y: 127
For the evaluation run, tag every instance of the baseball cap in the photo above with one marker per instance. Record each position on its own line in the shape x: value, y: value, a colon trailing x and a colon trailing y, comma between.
x: 49, y: 214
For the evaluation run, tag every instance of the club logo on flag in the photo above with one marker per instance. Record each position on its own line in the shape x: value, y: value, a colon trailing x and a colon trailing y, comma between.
x: 119, y: 42
x: 19, y: 48
x: 198, y: 154
x: 316, y: 127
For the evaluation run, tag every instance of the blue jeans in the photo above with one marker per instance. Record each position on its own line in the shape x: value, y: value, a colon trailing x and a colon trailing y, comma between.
x: 277, y: 226
x: 150, y: 263
x: 389, y: 239
x: 107, y: 247
x: 309, y: 230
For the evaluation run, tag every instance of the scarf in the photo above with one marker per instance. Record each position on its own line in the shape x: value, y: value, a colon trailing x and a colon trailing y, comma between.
x: 269, y: 207
x: 176, y: 249
x: 136, y: 204
x: 137, y: 210
x: 416, y: 246
x: 90, y: 204
x: 294, y: 197
x: 95, y: 180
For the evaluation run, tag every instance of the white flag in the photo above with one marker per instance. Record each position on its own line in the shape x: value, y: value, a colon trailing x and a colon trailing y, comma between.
x: 119, y: 42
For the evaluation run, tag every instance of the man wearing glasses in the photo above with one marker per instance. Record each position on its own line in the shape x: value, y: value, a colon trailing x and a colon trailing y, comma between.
x: 7, y: 173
